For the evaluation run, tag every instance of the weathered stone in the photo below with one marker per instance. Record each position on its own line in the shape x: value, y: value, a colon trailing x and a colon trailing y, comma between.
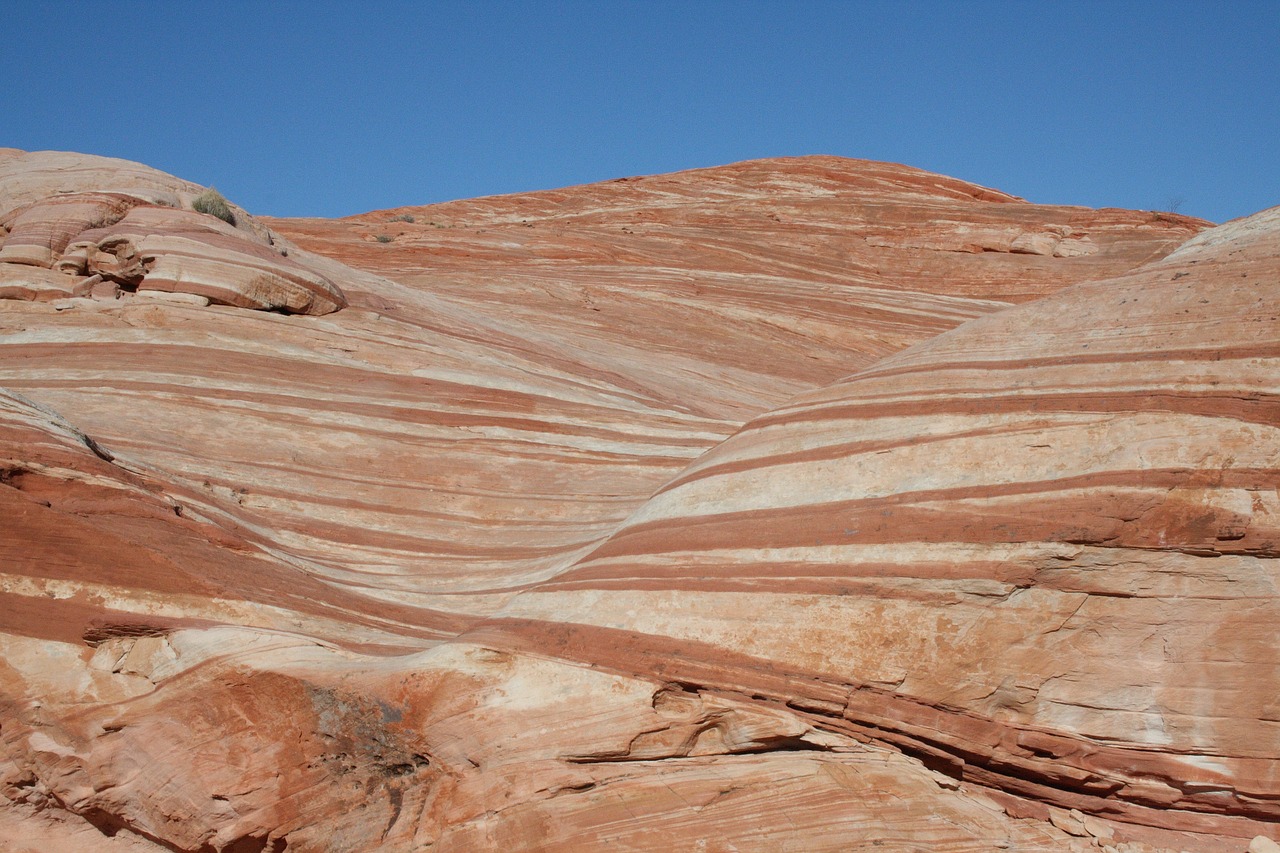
x: 74, y: 225
x: 1040, y: 543
x: 651, y: 514
x: 1097, y: 828
x: 172, y: 297
x: 105, y: 289
x: 183, y: 252
x: 29, y: 283
x: 39, y: 233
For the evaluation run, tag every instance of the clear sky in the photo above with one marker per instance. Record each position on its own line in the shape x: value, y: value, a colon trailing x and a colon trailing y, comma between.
x: 333, y: 108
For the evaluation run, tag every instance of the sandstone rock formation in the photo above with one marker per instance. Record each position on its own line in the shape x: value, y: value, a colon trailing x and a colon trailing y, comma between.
x: 55, y: 214
x: 1037, y: 550
x: 802, y: 504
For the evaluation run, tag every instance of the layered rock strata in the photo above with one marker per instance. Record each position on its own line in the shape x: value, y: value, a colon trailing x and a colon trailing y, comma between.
x: 1038, y: 551
x: 575, y: 532
x: 53, y: 216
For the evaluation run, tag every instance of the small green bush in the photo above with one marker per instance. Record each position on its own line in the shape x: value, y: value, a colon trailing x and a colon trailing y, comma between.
x: 211, y: 202
x: 404, y: 217
x: 383, y: 238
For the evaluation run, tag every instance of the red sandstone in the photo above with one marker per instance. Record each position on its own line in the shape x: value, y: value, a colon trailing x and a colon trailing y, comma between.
x: 804, y: 504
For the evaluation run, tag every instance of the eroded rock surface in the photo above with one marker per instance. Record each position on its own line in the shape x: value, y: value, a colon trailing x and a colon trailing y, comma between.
x: 1038, y: 550
x: 55, y: 213
x: 629, y: 517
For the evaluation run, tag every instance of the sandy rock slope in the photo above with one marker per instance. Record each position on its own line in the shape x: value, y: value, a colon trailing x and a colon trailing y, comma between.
x: 802, y: 504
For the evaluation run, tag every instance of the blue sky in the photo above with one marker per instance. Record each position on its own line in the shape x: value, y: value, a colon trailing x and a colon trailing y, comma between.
x: 328, y: 109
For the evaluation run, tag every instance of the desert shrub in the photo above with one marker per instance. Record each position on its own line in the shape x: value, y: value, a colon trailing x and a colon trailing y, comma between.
x: 383, y: 238
x: 211, y: 202
x: 403, y: 217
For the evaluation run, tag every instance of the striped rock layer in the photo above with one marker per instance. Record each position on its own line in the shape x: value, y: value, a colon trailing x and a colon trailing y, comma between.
x: 56, y: 213
x: 658, y: 514
x: 1038, y: 550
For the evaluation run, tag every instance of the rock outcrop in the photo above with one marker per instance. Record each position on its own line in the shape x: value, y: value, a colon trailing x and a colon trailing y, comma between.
x: 794, y: 505
x: 55, y: 213
x: 1037, y: 551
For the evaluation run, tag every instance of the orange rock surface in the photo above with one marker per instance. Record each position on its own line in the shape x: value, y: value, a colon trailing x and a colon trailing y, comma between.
x: 143, y: 235
x: 800, y: 504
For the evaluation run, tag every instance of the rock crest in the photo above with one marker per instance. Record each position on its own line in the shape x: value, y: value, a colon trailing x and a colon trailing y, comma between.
x: 140, y: 238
